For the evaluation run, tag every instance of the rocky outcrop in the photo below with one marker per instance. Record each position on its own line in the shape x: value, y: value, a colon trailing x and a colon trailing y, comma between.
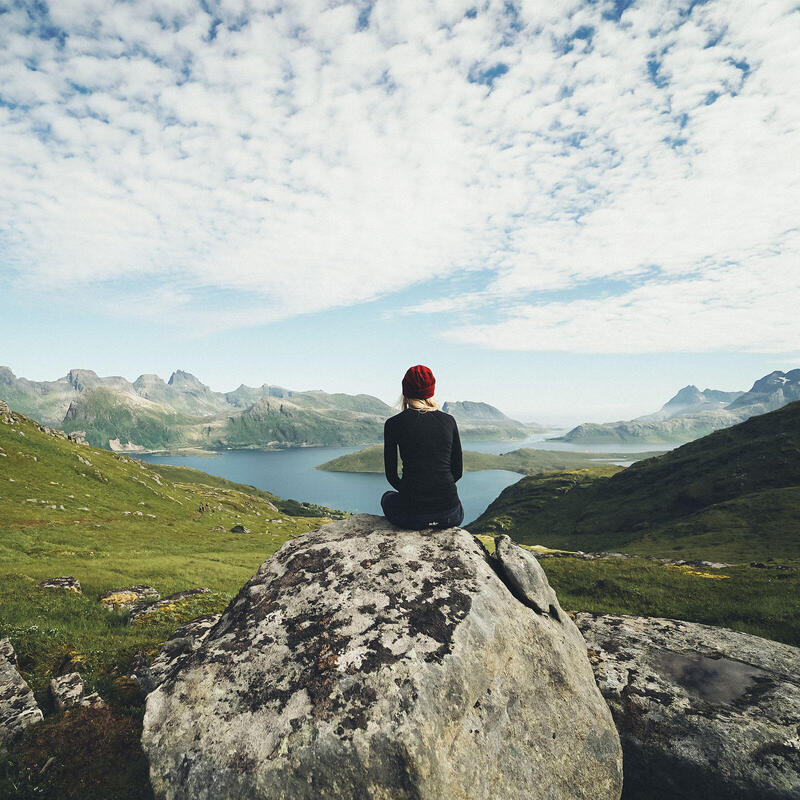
x: 18, y: 708
x: 363, y: 661
x: 702, y: 712
x: 68, y: 583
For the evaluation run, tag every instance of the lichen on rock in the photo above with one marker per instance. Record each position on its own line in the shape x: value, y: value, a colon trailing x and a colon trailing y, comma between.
x: 703, y: 712
x: 366, y: 661
x: 18, y: 707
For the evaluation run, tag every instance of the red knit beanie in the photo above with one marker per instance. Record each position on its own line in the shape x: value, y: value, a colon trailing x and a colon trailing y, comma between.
x: 419, y: 383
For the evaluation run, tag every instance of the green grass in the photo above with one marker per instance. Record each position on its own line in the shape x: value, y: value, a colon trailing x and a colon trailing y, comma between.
x: 756, y: 600
x: 752, y: 600
x: 525, y: 460
x: 78, y: 526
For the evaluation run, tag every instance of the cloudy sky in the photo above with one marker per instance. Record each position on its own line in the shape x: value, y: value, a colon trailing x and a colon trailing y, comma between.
x: 565, y: 208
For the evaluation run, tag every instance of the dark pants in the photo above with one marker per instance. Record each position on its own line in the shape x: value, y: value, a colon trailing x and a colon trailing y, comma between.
x: 398, y: 513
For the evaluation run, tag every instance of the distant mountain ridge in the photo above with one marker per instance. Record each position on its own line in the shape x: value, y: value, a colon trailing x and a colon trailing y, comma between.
x: 184, y: 413
x: 480, y: 420
x: 691, y: 413
x: 732, y: 494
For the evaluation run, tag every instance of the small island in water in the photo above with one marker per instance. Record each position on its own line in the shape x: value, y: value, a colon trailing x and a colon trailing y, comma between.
x: 526, y: 461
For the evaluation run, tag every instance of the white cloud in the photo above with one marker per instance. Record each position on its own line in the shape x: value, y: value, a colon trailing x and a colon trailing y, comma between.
x: 302, y: 163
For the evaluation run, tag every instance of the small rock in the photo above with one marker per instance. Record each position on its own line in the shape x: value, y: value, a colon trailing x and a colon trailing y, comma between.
x: 240, y: 529
x: 66, y: 691
x: 217, y: 529
x: 67, y: 582
x: 93, y: 700
x: 127, y: 597
x: 524, y: 577
x: 141, y: 610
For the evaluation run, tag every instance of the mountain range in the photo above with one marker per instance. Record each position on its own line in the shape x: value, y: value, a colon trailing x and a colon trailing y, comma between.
x: 734, y: 494
x: 691, y: 413
x: 184, y: 413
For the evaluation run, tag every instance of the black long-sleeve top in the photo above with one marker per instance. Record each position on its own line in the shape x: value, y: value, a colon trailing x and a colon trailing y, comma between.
x: 430, y: 449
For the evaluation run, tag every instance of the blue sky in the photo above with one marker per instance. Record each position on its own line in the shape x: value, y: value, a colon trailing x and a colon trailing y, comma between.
x: 567, y: 209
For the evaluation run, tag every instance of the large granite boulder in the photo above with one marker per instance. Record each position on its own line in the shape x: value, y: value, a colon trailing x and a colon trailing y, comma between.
x: 363, y: 661
x: 702, y: 712
x: 18, y: 707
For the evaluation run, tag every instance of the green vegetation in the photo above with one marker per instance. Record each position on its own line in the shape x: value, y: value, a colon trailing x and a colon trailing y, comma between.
x: 111, y: 521
x: 525, y: 460
x: 103, y: 416
x: 749, y: 599
x: 760, y: 600
x: 734, y: 495
x: 287, y: 422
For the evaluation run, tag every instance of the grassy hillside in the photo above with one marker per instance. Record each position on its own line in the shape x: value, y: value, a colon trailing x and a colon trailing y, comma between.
x: 111, y: 521
x: 526, y: 461
x: 105, y: 415
x: 732, y: 495
x: 284, y: 422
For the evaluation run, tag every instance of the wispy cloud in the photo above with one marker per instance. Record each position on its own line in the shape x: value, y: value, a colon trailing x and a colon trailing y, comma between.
x: 287, y: 159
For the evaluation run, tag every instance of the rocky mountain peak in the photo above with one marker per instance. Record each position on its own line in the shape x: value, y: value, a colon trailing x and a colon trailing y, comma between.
x: 470, y: 410
x: 186, y: 381
x: 774, y: 389
x: 689, y: 395
x: 147, y: 381
x: 82, y: 379
x: 774, y: 381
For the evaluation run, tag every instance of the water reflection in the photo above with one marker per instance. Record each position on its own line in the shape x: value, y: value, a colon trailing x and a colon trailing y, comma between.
x: 716, y: 680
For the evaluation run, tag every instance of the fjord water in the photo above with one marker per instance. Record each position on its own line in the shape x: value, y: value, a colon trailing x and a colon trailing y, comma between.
x: 290, y: 474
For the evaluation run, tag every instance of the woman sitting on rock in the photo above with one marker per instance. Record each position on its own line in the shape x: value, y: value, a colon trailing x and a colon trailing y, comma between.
x: 430, y: 449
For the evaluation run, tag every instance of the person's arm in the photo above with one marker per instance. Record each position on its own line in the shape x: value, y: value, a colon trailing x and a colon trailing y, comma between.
x: 390, y: 456
x: 456, y: 462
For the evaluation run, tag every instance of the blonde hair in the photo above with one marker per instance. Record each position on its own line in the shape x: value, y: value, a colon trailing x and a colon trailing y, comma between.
x: 419, y: 405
